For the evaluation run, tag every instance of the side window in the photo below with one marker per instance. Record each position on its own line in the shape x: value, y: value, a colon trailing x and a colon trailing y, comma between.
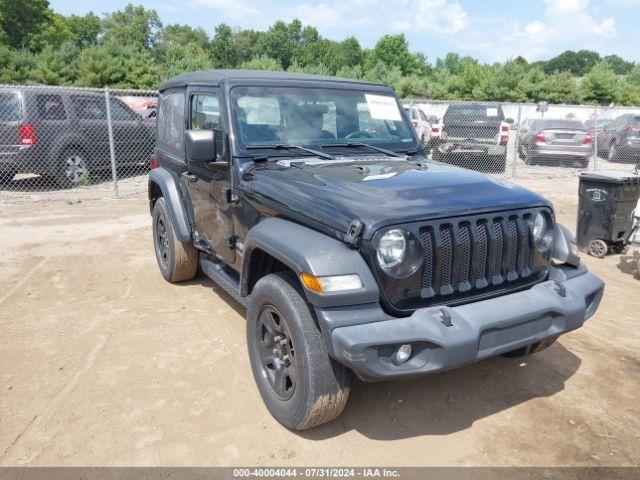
x: 171, y: 119
x: 119, y: 111
x: 50, y: 107
x: 423, y: 117
x: 89, y: 108
x: 205, y: 112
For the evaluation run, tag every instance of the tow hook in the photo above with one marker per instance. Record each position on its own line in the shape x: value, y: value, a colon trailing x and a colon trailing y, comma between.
x: 446, y: 318
x: 560, y: 289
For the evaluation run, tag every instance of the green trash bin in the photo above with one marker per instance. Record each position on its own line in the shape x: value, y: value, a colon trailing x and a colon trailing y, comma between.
x: 606, y: 204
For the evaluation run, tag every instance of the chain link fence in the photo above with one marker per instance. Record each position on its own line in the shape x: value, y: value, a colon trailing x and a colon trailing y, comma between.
x: 56, y: 140
x: 62, y: 138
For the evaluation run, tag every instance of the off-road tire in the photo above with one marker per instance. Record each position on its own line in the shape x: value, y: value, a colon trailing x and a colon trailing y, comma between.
x: 529, y: 349
x: 177, y: 261
x: 321, y: 384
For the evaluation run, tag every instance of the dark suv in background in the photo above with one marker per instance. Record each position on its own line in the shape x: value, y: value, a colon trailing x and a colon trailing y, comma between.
x: 619, y: 141
x: 63, y: 134
x: 474, y: 136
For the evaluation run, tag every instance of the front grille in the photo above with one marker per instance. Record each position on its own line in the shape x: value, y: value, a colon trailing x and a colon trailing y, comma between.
x: 476, y: 253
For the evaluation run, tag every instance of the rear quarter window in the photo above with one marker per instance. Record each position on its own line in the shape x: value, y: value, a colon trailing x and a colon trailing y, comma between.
x: 10, y: 107
x: 89, y: 107
x: 171, y: 106
x: 50, y: 107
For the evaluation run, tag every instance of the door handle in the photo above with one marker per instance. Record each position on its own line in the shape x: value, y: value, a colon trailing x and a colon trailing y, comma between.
x: 189, y: 177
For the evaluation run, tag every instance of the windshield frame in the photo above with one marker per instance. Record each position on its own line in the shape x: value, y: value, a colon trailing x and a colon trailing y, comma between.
x: 239, y: 148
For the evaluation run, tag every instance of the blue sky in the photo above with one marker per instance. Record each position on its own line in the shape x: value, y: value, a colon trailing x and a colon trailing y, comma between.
x: 491, y: 30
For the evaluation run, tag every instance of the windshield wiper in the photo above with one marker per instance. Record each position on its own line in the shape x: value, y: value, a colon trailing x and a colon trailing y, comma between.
x: 284, y: 146
x: 358, y: 144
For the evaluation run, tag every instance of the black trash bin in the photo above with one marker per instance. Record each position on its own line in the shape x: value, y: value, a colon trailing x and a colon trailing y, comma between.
x: 607, y: 200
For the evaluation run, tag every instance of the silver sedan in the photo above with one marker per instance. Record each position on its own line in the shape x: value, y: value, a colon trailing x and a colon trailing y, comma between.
x: 557, y: 141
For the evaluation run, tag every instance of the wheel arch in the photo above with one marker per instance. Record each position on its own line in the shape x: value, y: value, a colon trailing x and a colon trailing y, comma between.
x: 163, y: 183
x: 276, y: 244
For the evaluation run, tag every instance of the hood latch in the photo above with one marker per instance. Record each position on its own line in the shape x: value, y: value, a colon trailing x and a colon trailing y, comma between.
x: 352, y: 237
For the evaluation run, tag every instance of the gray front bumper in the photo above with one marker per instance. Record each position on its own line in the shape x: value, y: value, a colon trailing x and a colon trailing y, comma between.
x: 477, y: 330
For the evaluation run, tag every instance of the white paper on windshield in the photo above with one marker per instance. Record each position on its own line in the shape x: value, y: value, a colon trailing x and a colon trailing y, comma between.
x: 382, y: 107
x: 492, y: 112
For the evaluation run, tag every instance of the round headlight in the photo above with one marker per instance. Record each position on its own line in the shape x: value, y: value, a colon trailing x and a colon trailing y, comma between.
x: 399, y: 253
x: 542, y: 231
x: 391, y: 248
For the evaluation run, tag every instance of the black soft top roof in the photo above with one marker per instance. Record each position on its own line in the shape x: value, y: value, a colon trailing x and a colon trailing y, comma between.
x: 216, y: 77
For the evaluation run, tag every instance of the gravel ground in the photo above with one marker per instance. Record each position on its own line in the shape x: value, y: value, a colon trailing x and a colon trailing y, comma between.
x: 104, y: 363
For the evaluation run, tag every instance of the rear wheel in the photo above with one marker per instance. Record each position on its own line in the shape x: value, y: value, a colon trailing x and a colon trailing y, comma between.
x: 177, y: 261
x: 529, y: 349
x: 72, y: 169
x: 299, y: 383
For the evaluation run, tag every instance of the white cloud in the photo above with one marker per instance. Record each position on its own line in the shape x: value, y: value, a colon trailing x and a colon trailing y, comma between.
x: 442, y: 16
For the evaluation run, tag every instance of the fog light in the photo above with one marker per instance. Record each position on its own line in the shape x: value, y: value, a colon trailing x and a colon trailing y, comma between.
x: 403, y: 353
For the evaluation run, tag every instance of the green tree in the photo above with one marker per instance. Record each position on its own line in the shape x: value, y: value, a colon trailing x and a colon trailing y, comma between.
x: 281, y: 41
x: 84, y: 29
x: 21, y: 21
x: 177, y: 59
x: 178, y: 35
x: 620, y: 66
x: 261, y: 63
x: 16, y: 65
x: 223, y: 47
x: 578, y: 63
x: 134, y: 26
x: 56, y: 66
x: 393, y: 50
x: 629, y: 92
x: 600, y: 85
x: 246, y: 44
x: 117, y: 65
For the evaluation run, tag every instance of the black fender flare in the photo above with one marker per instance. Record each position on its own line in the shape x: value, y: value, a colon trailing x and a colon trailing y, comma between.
x: 168, y: 184
x: 304, y: 250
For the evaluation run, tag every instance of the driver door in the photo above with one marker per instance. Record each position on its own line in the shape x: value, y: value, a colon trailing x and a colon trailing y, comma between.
x: 207, y: 184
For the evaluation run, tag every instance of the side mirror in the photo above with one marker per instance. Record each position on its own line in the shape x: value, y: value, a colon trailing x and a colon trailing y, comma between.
x: 200, y: 146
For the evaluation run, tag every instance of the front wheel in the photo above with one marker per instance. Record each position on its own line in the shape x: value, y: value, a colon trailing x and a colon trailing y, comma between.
x: 299, y: 383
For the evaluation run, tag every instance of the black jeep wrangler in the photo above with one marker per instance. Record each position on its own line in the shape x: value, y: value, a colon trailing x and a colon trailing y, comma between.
x: 310, y: 201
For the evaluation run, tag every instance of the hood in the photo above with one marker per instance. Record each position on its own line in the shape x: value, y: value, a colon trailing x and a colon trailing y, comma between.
x: 381, y: 191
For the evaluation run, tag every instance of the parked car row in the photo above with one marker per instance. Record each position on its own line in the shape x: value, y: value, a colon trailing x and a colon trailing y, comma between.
x: 63, y: 134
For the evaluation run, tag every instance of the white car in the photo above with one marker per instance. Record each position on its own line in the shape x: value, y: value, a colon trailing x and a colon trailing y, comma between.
x: 420, y: 123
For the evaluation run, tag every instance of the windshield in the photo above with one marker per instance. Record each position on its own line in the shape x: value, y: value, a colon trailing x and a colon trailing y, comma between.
x: 314, y: 117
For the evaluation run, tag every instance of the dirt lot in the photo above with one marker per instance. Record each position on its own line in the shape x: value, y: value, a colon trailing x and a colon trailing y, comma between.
x: 104, y: 363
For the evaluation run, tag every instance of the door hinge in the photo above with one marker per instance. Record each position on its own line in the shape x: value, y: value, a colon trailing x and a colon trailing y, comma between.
x: 352, y: 237
x: 230, y: 196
